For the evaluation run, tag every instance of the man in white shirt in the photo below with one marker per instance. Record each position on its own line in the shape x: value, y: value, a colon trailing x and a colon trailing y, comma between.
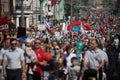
x: 13, y: 62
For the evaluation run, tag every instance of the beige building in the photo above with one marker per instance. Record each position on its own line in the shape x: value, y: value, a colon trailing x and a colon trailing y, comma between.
x: 34, y: 11
x: 31, y: 12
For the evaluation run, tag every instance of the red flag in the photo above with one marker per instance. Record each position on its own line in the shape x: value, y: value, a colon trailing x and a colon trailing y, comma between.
x: 53, y: 2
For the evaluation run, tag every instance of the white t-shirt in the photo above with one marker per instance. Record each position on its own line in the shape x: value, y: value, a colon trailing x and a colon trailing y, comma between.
x: 72, y: 72
x: 68, y: 59
x: 14, y: 58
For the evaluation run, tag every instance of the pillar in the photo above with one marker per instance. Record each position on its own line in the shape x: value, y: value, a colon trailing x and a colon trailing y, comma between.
x: 17, y: 22
x: 27, y: 22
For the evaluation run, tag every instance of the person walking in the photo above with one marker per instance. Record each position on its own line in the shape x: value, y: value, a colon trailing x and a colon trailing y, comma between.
x: 41, y: 63
x: 4, y: 48
x: 13, y: 62
x: 94, y: 61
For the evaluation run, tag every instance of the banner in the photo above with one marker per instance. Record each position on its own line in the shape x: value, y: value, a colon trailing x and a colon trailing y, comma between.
x: 3, y: 23
x: 77, y: 23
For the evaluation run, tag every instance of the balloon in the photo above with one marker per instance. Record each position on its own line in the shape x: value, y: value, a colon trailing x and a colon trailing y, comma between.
x: 80, y: 46
x: 47, y: 56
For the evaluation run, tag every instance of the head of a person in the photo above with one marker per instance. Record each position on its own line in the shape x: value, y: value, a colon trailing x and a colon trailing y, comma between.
x: 74, y: 61
x: 85, y: 48
x: 48, y: 48
x: 57, y: 49
x: 13, y: 43
x: 73, y: 44
x: 68, y: 49
x: 7, y: 43
x: 54, y: 43
x: 37, y: 43
x: 94, y: 43
x: 28, y: 43
x: 116, y: 41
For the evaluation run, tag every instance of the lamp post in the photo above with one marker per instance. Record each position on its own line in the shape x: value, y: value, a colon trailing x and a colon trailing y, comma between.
x: 22, y: 14
x: 71, y: 8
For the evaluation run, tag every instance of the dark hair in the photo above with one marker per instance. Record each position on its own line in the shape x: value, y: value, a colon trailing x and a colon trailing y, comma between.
x: 12, y: 39
x: 86, y: 46
x: 68, y: 47
x: 98, y: 43
x: 73, y: 58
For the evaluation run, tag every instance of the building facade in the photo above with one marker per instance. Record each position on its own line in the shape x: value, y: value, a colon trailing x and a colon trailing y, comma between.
x: 34, y: 11
x: 4, y: 7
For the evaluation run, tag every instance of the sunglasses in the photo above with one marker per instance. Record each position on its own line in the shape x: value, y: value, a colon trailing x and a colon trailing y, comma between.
x: 37, y: 43
x: 49, y: 48
x: 13, y: 43
x: 56, y: 48
x: 28, y: 45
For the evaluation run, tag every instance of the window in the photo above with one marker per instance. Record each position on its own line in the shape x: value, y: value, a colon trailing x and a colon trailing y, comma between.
x: 48, y: 8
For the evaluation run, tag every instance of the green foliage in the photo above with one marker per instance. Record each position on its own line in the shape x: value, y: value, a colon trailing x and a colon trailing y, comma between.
x: 67, y: 9
x: 11, y: 25
x: 41, y: 1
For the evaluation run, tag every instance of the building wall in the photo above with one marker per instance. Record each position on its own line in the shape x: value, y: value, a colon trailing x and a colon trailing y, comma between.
x: 60, y: 10
x: 4, y: 4
x: 48, y: 10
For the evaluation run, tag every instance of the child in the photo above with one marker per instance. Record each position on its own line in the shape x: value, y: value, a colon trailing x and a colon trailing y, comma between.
x: 73, y: 71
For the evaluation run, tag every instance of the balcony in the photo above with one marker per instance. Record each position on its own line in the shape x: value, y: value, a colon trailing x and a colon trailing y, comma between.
x: 26, y: 4
x: 27, y: 10
x: 25, y: 7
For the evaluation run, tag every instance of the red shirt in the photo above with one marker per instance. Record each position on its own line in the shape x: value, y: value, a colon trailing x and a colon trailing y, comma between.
x: 39, y: 55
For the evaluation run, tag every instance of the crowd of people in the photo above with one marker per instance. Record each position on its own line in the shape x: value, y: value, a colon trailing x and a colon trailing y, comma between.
x: 65, y: 55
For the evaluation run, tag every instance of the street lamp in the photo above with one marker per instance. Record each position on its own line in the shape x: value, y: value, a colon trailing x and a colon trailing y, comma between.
x: 71, y: 8
x: 22, y: 14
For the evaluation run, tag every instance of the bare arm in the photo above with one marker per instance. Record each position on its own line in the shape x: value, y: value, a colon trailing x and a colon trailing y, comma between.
x: 43, y: 63
x: 23, y: 66
x: 23, y: 69
x: 85, y: 64
x: 4, y: 68
x: 0, y: 62
x: 67, y: 77
x: 101, y: 65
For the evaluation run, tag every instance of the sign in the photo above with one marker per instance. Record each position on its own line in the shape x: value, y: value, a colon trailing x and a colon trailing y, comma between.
x: 3, y: 23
